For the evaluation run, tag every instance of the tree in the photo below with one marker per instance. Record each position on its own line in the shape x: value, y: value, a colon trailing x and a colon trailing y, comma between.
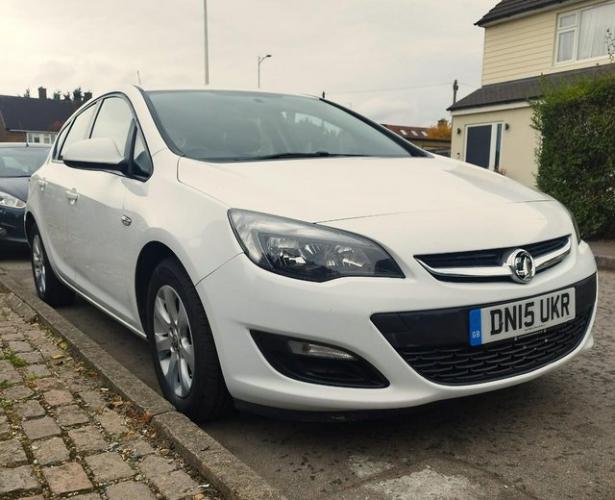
x: 26, y: 93
x: 442, y: 130
x: 610, y: 44
x: 57, y: 95
x: 77, y: 94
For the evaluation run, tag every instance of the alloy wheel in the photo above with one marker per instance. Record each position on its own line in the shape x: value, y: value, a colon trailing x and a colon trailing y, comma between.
x: 174, y: 343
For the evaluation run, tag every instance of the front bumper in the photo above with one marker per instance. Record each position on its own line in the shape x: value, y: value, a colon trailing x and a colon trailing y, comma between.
x: 12, y: 226
x: 240, y: 297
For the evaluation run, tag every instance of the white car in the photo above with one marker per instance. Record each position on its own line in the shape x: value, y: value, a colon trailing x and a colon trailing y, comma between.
x: 280, y: 251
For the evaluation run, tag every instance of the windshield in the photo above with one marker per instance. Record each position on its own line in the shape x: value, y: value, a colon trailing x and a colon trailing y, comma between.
x: 249, y: 126
x: 21, y: 161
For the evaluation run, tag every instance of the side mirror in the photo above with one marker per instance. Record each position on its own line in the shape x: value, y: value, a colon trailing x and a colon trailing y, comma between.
x: 99, y: 153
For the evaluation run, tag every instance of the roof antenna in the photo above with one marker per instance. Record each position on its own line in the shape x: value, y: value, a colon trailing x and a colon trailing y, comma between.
x: 139, y: 78
x: 323, y: 95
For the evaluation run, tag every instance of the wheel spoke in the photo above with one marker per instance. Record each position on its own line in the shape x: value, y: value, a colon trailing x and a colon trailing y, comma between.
x: 163, y: 343
x: 170, y: 301
x: 161, y: 315
x: 187, y: 352
x: 185, y: 378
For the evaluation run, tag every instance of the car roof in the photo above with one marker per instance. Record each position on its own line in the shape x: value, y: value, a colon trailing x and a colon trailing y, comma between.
x: 24, y: 145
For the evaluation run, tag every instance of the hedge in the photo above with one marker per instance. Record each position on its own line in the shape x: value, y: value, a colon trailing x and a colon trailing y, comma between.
x: 576, y: 157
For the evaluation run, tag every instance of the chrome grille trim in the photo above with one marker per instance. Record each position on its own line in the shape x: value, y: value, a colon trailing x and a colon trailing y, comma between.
x: 502, y: 271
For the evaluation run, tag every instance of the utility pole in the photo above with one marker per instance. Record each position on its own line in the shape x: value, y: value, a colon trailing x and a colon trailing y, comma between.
x: 455, y: 90
x: 139, y: 78
x: 206, y: 44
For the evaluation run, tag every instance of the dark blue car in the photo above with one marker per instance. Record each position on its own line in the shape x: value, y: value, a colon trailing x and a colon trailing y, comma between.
x: 18, y: 161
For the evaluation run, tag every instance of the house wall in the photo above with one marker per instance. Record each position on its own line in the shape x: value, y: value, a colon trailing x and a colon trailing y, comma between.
x: 519, y: 143
x: 525, y: 47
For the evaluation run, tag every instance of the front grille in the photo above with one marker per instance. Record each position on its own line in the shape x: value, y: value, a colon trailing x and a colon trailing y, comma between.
x: 435, y: 343
x: 489, y: 258
x: 463, y: 364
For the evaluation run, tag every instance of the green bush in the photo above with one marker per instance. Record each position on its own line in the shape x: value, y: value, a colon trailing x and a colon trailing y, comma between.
x: 576, y: 157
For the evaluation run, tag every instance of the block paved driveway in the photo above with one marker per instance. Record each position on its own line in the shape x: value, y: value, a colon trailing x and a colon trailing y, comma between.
x: 553, y: 438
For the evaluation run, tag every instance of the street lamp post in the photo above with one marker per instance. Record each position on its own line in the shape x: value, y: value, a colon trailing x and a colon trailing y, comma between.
x: 206, y: 42
x: 260, y: 61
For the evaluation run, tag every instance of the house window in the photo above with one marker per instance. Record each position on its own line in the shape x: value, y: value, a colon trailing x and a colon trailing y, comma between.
x: 484, y: 145
x: 583, y: 34
x: 40, y: 137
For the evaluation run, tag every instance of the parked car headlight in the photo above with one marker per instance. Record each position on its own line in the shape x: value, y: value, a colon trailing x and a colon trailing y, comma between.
x: 7, y: 200
x: 308, y: 251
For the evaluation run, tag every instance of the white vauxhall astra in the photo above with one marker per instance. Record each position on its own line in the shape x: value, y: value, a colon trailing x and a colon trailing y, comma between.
x: 280, y: 251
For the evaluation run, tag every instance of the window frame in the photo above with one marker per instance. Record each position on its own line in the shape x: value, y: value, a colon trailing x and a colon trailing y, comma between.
x: 496, y: 146
x: 576, y: 28
x: 134, y: 128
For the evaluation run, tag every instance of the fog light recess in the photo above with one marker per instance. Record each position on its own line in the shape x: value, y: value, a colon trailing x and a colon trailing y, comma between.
x: 317, y: 363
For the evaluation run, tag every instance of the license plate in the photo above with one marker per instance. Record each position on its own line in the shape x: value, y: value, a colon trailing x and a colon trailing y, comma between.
x: 514, y: 319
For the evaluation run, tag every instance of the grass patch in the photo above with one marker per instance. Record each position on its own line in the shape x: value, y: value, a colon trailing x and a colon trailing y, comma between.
x: 14, y: 359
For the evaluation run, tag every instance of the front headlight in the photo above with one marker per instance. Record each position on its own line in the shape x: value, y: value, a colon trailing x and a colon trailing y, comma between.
x: 308, y: 251
x: 6, y: 200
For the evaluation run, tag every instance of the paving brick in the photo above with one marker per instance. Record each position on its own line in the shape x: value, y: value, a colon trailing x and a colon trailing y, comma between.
x: 17, y: 479
x: 153, y: 465
x: 66, y: 478
x: 108, y: 467
x: 5, y: 428
x: 92, y: 398
x: 8, y: 374
x: 112, y: 422
x: 50, y: 451
x: 12, y: 453
x: 129, y: 489
x: 17, y: 392
x: 47, y: 384
x: 32, y: 357
x: 71, y: 415
x: 93, y: 496
x: 40, y: 428
x: 10, y: 337
x: 20, y: 346
x: 88, y: 438
x: 139, y: 448
x: 38, y: 371
x: 34, y: 497
x: 29, y: 409
x: 58, y: 397
x: 176, y: 485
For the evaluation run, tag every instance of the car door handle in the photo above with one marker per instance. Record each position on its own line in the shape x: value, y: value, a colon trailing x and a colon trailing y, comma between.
x: 42, y: 183
x: 72, y: 196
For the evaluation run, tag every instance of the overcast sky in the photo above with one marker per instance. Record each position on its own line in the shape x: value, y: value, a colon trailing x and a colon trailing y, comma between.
x: 393, y: 60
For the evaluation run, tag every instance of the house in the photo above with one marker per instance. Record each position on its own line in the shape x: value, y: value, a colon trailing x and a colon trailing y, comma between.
x: 527, y: 42
x: 422, y: 138
x: 35, y: 120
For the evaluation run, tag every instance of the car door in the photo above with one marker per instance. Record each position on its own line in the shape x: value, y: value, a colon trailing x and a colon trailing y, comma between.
x: 99, y: 257
x: 56, y: 207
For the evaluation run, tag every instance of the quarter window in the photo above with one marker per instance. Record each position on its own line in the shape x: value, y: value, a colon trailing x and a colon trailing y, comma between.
x: 142, y: 163
x: 114, y: 121
x: 584, y: 34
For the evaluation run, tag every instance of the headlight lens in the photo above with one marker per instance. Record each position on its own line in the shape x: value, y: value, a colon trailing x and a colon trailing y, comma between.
x: 6, y: 200
x: 307, y: 251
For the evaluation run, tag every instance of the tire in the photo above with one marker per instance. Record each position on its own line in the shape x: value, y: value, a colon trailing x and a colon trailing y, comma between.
x: 194, y: 384
x: 48, y: 287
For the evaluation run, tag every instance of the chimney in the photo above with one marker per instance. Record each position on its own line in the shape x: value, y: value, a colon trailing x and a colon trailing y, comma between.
x: 42, y: 93
x: 443, y: 123
x: 87, y: 96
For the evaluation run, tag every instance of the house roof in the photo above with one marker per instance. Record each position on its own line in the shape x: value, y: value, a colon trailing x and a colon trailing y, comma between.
x: 29, y: 113
x: 524, y: 89
x: 413, y: 133
x: 509, y: 8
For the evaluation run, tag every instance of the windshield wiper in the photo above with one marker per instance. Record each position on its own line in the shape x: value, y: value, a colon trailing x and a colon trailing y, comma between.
x: 290, y: 155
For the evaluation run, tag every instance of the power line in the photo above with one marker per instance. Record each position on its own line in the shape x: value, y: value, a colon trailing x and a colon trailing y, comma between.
x: 397, y: 89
